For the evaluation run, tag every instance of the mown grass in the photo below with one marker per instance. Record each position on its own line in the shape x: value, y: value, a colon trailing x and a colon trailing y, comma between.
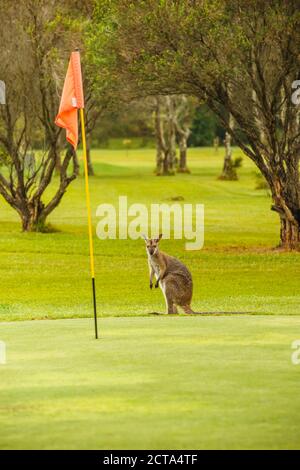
x: 47, y: 275
x: 151, y: 383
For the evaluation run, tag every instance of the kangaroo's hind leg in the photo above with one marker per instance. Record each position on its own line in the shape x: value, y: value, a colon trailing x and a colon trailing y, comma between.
x: 169, y: 298
x: 175, y: 311
x: 171, y: 307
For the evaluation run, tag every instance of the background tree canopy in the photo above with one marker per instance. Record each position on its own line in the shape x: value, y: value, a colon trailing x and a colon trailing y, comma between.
x: 241, y: 57
x: 233, y: 62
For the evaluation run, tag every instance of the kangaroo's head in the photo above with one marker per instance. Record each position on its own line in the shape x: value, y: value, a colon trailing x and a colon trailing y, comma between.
x: 152, y: 245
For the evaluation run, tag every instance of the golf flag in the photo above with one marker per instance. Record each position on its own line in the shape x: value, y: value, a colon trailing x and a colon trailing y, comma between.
x: 73, y: 99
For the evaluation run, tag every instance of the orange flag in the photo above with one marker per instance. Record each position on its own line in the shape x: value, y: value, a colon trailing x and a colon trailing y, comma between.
x: 71, y: 100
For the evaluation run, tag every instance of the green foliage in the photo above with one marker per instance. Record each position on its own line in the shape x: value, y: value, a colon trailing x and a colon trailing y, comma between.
x: 260, y: 181
x: 130, y: 121
x: 220, y: 52
x: 204, y: 128
x: 99, y: 57
x: 237, y: 162
x: 4, y: 157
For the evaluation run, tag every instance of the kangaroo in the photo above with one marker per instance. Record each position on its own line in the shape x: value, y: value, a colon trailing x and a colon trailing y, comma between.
x: 172, y: 276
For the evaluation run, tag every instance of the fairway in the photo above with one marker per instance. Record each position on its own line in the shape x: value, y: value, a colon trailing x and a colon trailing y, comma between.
x: 151, y: 382
x: 149, y: 230
x: 47, y: 274
x: 155, y: 383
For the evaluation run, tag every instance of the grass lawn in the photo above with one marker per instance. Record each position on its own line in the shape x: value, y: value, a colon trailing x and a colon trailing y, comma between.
x: 155, y: 383
x: 47, y: 275
x: 213, y: 381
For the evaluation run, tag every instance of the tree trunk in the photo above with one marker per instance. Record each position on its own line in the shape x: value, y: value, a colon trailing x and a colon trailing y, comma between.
x: 160, y: 141
x: 33, y: 223
x: 159, y: 159
x: 165, y: 139
x: 170, y: 153
x: 169, y: 161
x: 165, y: 134
x: 57, y: 164
x: 229, y: 172
x: 33, y: 219
x: 166, y: 163
x: 76, y: 166
x: 289, y: 234
x: 287, y: 204
x: 182, y: 168
x: 216, y: 144
x: 182, y: 159
x: 88, y: 155
x: 33, y: 212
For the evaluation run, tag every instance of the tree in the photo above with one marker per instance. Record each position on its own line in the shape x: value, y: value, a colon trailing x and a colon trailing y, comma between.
x: 254, y: 46
x: 31, y: 65
x: 204, y: 127
x: 93, y: 110
x: 105, y: 91
x: 172, y: 114
x: 229, y: 167
x: 165, y: 134
x: 185, y: 108
x: 228, y: 172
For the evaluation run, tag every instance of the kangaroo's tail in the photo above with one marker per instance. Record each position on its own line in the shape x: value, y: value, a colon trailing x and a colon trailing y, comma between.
x: 188, y: 309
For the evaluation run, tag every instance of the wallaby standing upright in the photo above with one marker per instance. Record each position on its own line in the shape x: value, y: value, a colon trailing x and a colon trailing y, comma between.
x: 172, y: 276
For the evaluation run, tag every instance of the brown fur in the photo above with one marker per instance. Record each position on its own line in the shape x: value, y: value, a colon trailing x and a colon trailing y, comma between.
x: 172, y: 276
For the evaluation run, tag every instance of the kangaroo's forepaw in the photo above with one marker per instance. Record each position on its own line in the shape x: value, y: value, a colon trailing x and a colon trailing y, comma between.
x: 151, y: 285
x: 156, y: 285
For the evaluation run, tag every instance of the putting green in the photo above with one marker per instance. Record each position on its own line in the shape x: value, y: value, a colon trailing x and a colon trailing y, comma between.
x: 151, y: 382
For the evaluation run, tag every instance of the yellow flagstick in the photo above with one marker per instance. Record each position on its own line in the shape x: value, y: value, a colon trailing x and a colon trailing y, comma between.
x: 88, y: 205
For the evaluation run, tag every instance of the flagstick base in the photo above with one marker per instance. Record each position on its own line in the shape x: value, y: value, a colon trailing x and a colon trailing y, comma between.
x: 95, y: 307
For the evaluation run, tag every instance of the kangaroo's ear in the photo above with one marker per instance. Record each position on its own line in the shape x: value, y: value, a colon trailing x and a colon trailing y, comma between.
x: 159, y: 237
x: 144, y: 237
